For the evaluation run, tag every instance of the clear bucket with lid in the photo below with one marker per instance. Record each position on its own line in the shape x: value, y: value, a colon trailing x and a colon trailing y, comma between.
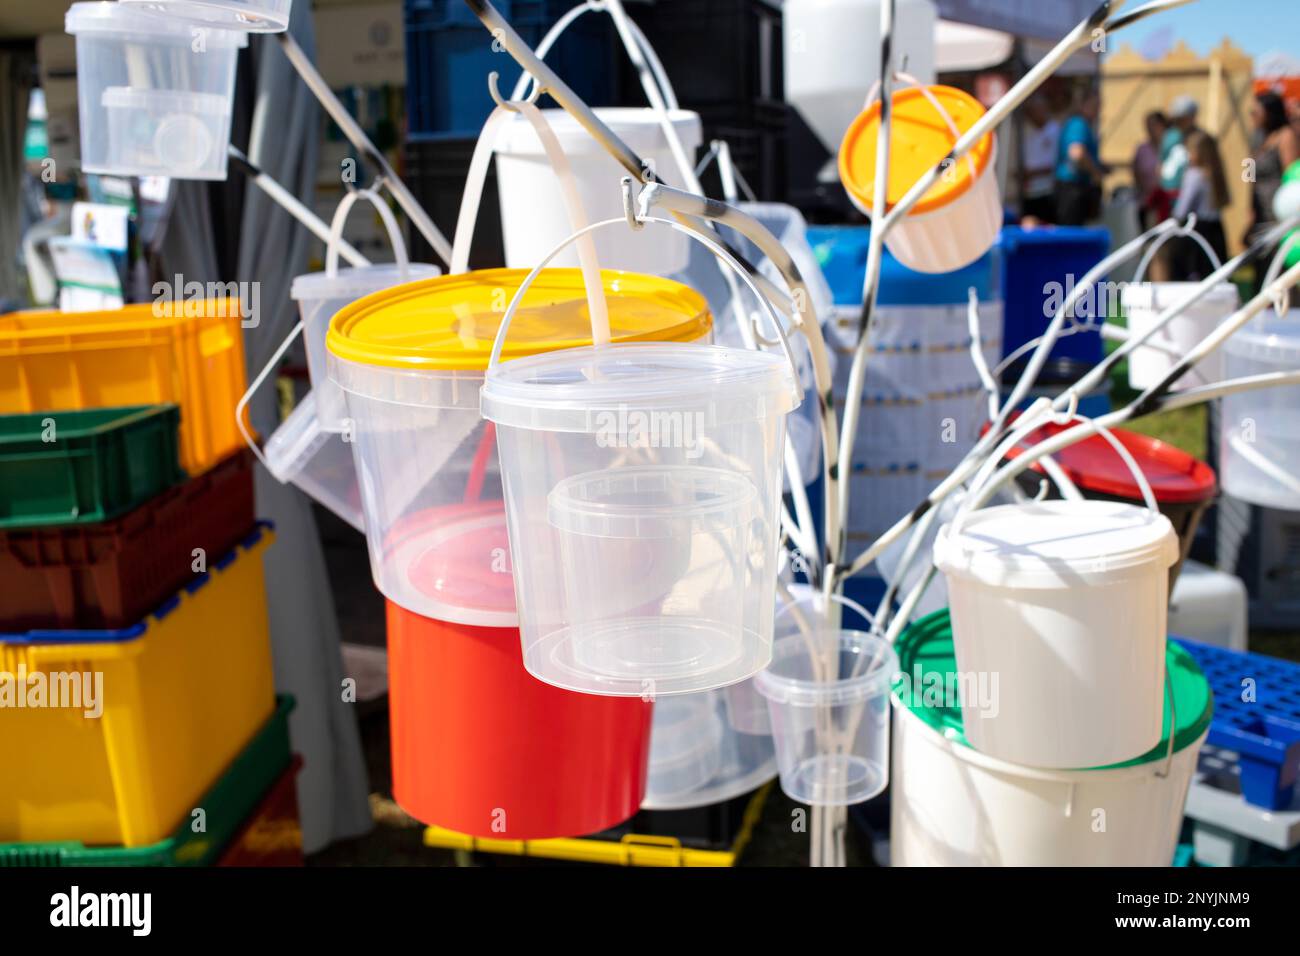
x: 410, y: 361
x: 1259, y: 450
x: 1060, y: 606
x: 250, y: 16
x: 154, y: 93
x: 321, y: 294
x: 643, y: 486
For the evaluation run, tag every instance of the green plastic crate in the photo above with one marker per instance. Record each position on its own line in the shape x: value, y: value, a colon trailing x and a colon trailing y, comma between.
x: 101, y: 463
x: 227, y: 807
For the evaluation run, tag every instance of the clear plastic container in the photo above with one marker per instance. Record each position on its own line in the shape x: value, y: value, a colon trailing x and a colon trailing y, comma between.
x: 828, y: 696
x: 697, y: 760
x: 410, y: 361
x: 154, y: 92
x: 317, y: 461
x: 1260, y: 430
x: 320, y: 296
x: 643, y: 484
x: 251, y: 16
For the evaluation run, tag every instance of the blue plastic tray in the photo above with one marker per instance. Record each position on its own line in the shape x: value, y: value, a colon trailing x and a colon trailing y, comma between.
x: 1256, y: 714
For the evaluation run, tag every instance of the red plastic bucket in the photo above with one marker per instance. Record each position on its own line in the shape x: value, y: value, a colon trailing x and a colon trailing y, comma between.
x: 479, y: 745
x: 1184, y: 487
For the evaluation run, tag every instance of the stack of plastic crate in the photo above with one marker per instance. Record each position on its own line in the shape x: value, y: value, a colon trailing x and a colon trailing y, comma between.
x: 138, y: 718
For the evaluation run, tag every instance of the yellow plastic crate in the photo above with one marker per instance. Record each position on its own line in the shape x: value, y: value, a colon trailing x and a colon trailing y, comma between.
x: 630, y: 850
x: 183, y: 693
x: 57, y: 361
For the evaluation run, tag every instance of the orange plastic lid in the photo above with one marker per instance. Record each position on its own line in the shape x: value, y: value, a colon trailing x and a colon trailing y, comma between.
x: 920, y: 139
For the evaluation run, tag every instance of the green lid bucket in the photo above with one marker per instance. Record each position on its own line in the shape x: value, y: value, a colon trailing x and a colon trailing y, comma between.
x: 928, y: 668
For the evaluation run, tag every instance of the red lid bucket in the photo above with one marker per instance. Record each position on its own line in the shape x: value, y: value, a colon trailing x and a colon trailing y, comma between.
x: 482, y: 747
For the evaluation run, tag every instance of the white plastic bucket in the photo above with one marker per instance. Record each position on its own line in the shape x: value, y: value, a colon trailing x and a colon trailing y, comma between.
x: 1259, y: 448
x: 828, y: 698
x: 251, y: 16
x: 953, y: 806
x: 321, y: 294
x: 1065, y: 604
x: 153, y: 98
x: 533, y: 218
x: 1150, y: 362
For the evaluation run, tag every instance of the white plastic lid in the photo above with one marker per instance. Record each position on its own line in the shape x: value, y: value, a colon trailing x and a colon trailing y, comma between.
x: 253, y: 16
x: 638, y: 127
x: 1056, y: 544
x: 1162, y: 295
x: 867, y: 663
x: 143, y: 22
x: 652, y: 502
x: 354, y: 282
x: 179, y: 102
x: 1269, y: 339
x: 612, y: 389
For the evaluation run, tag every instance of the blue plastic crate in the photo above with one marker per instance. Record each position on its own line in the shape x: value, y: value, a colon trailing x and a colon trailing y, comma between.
x: 1256, y: 714
x: 1038, y: 262
x: 449, y: 54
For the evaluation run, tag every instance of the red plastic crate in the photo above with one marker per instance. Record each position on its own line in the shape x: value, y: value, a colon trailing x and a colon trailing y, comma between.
x: 273, y: 834
x: 112, y: 573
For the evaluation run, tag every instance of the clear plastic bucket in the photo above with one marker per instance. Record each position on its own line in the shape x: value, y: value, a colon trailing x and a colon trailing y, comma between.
x: 251, y: 16
x: 154, y: 93
x: 410, y: 361
x: 828, y: 698
x: 1260, y: 430
x: 1064, y: 604
x: 643, y: 484
x: 318, y: 462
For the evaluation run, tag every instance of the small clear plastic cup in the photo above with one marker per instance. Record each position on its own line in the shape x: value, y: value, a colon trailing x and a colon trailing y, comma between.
x: 250, y: 16
x: 828, y: 698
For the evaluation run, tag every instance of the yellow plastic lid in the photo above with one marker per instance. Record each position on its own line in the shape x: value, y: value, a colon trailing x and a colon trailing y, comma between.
x: 450, y: 322
x: 920, y: 139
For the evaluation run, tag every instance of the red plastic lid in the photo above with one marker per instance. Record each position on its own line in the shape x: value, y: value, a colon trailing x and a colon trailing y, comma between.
x: 1092, y: 464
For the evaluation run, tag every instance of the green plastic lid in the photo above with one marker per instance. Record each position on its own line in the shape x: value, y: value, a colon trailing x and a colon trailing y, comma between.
x: 927, y: 663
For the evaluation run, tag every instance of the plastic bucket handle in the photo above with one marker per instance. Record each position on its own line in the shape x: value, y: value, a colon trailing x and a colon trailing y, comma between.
x: 1188, y: 232
x: 712, y: 246
x: 390, y: 226
x: 472, y: 198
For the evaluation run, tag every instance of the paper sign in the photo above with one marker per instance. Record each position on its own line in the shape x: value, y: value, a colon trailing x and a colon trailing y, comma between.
x: 96, y: 224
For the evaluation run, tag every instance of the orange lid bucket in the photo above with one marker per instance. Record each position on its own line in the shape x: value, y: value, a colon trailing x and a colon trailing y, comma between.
x: 920, y: 138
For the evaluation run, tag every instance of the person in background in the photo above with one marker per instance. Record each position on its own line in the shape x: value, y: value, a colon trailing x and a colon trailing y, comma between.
x: 1038, y: 146
x: 1277, y: 146
x: 1079, y: 170
x: 1153, y: 202
x: 1173, y: 149
x: 1204, y: 193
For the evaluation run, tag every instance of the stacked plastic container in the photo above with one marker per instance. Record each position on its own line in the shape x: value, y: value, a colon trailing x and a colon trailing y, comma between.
x: 133, y: 621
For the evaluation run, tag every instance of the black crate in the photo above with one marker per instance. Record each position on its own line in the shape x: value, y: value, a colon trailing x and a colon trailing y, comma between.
x: 715, y: 52
x: 435, y: 170
x: 756, y: 134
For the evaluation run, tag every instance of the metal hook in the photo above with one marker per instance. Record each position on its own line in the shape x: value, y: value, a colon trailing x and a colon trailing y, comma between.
x: 629, y: 205
x: 533, y: 96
